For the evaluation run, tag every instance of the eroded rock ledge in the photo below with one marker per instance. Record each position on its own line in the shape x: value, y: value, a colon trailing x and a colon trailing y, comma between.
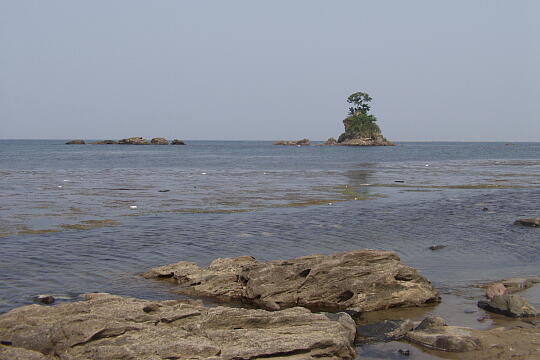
x: 356, y: 281
x: 114, y: 327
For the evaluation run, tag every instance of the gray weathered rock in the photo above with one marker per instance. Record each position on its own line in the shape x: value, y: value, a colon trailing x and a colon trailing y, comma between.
x: 533, y: 222
x: 113, y: 327
x: 76, y: 142
x: 446, y: 338
x: 356, y: 281
x: 159, y: 141
x: 301, y: 142
x: 177, y: 142
x: 133, y: 141
x: 361, y: 141
x: 509, y: 305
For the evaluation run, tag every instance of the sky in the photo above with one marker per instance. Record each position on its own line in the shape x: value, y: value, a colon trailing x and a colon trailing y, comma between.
x: 460, y: 70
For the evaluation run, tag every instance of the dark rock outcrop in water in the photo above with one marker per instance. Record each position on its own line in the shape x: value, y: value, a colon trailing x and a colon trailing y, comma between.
x: 433, y: 333
x: 302, y: 142
x: 356, y: 281
x: 113, y: 327
x: 177, y: 142
x: 105, y: 142
x: 331, y: 141
x: 159, y: 141
x: 134, y: 141
x: 509, y: 305
x: 534, y: 222
x: 76, y: 142
x: 353, y: 139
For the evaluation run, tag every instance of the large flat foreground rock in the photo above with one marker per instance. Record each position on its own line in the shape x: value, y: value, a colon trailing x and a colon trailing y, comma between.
x: 355, y: 281
x: 113, y: 327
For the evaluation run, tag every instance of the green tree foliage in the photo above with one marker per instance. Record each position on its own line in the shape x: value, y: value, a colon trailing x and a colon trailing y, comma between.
x: 360, y: 123
x: 360, y: 102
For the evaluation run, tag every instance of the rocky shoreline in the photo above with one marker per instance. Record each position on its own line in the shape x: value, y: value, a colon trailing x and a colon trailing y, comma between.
x: 130, y: 141
x: 303, y: 308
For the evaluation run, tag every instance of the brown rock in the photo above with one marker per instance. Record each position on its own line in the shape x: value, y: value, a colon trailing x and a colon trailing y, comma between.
x: 495, y: 289
x: 533, y: 222
x: 76, y: 142
x: 177, y: 142
x: 113, y: 327
x: 302, y: 142
x: 133, y: 141
x: 17, y: 353
x: 159, y: 141
x: 357, y: 281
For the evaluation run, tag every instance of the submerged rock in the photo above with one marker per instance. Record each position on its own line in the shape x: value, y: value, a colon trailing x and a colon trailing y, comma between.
x: 133, y: 141
x: 76, y: 142
x: 387, y: 330
x: 113, y: 327
x: 533, y: 222
x: 45, y: 299
x: 177, y: 142
x: 302, y: 142
x: 436, y: 247
x: 509, y: 305
x: 159, y: 141
x: 356, y: 281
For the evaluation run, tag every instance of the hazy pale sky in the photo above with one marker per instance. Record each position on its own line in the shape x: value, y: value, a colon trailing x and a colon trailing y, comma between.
x: 437, y: 70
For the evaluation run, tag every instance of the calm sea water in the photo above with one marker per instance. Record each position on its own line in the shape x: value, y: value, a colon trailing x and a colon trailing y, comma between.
x: 69, y: 223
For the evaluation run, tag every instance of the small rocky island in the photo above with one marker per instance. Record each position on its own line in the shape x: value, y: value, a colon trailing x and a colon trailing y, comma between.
x: 138, y: 140
x: 361, y: 128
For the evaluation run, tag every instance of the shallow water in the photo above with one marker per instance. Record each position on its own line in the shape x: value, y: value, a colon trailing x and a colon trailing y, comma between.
x: 68, y: 223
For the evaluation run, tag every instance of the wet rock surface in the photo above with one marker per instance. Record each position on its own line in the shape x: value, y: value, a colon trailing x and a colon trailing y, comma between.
x: 509, y: 305
x: 387, y: 330
x: 76, y: 142
x: 356, y: 281
x: 113, y: 327
x: 177, y: 142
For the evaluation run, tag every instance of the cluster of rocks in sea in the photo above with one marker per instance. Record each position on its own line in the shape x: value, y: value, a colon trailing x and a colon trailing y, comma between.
x: 378, y: 140
x: 303, y: 308
x: 130, y: 141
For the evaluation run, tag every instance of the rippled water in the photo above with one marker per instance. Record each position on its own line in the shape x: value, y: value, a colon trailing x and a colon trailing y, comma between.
x: 68, y: 223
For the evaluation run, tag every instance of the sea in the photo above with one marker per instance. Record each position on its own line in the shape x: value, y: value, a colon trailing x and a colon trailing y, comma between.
x: 91, y: 218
